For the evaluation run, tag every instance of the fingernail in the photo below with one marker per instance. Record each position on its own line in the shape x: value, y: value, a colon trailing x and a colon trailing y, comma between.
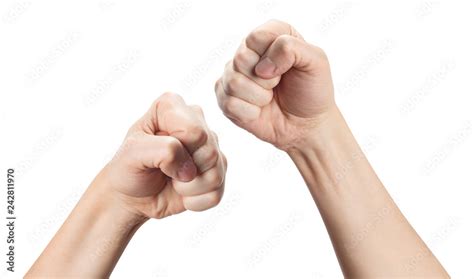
x: 265, y: 67
x: 187, y: 171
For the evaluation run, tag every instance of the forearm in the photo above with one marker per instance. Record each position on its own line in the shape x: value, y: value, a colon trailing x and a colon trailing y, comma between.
x: 370, y: 235
x: 91, y: 240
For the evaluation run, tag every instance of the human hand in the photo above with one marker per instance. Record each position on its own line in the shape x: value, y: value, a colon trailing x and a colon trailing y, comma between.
x: 169, y: 162
x: 278, y: 87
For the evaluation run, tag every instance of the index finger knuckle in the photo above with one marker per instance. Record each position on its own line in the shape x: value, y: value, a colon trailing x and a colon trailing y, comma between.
x: 233, y: 84
x: 171, y: 148
x: 196, y: 133
x: 285, y: 43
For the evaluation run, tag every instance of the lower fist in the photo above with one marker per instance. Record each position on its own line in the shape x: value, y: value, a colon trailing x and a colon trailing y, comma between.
x: 169, y: 162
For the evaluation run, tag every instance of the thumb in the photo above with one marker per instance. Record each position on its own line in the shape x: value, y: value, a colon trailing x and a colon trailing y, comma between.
x: 288, y: 52
x: 166, y: 153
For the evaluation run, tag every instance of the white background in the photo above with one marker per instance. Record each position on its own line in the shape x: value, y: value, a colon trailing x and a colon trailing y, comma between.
x: 74, y: 75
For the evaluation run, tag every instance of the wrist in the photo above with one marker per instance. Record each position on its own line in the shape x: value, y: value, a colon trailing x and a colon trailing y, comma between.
x: 91, y: 239
x: 323, y: 154
x: 319, y: 132
x: 112, y: 203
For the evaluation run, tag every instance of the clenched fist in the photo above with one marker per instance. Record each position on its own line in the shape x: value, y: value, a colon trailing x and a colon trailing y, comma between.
x: 169, y: 162
x: 278, y: 87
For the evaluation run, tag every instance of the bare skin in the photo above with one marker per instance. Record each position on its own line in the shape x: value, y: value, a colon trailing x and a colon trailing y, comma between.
x: 279, y: 88
x: 169, y: 162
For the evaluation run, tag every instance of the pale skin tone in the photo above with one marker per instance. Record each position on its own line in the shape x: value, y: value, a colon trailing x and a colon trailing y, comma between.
x: 169, y: 162
x: 279, y: 88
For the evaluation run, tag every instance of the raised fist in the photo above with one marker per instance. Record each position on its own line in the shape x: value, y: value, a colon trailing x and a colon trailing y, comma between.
x: 278, y: 87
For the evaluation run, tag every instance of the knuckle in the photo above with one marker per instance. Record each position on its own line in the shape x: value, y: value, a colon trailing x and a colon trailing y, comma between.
x: 234, y: 83
x: 128, y: 150
x: 233, y: 110
x: 189, y: 204
x: 320, y: 53
x: 224, y: 161
x: 212, y: 156
x: 285, y: 43
x: 197, y: 134
x: 130, y: 142
x: 215, y: 198
x: 171, y: 149
x: 152, y: 111
x: 257, y: 36
x: 137, y: 126
x: 217, y: 84
x: 169, y: 96
x: 157, y: 101
x: 197, y: 109
x: 215, y: 178
x: 252, y: 38
x: 240, y: 59
x: 275, y: 22
x: 227, y: 107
